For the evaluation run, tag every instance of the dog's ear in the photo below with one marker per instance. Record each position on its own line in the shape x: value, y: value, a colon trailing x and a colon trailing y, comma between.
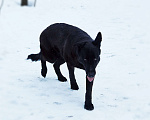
x: 78, y: 47
x: 98, y: 39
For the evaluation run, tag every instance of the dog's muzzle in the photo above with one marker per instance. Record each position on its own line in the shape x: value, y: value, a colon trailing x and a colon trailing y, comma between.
x: 90, y: 76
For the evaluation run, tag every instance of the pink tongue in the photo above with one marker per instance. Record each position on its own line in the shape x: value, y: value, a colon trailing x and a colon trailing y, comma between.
x: 90, y: 78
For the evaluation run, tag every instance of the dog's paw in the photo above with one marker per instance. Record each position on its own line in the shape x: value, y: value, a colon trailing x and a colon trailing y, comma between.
x: 62, y: 79
x: 43, y: 73
x: 74, y: 87
x: 89, y: 106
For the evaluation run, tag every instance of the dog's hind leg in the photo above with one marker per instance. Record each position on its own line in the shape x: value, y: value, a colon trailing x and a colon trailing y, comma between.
x: 56, y: 66
x: 73, y: 82
x: 44, y: 68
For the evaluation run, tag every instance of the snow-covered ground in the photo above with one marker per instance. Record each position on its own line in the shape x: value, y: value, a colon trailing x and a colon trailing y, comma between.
x: 122, y: 84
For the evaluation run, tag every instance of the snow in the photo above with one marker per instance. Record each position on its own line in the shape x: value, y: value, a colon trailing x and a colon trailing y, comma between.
x: 122, y: 84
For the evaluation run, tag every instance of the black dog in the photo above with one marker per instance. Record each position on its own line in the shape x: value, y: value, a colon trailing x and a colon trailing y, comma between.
x: 62, y: 43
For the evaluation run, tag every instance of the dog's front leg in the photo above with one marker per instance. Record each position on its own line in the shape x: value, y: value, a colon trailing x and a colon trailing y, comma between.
x: 73, y: 82
x: 88, y: 96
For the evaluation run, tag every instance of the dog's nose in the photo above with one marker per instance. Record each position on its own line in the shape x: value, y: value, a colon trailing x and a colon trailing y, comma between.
x: 91, y: 74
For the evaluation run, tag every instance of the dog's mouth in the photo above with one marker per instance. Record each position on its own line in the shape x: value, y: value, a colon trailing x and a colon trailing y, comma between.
x: 90, y: 79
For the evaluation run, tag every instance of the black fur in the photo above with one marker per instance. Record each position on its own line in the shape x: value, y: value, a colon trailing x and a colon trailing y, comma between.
x: 34, y: 57
x: 62, y: 43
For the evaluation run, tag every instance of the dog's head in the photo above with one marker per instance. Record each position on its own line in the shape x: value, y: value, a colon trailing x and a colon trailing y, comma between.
x: 89, y: 56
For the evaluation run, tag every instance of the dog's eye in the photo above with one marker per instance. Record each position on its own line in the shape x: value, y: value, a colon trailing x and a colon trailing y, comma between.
x: 95, y: 59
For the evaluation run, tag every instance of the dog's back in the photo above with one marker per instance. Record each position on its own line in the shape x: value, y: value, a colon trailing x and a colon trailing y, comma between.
x: 58, y: 39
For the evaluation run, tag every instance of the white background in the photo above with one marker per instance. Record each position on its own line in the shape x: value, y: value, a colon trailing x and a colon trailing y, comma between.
x: 122, y: 84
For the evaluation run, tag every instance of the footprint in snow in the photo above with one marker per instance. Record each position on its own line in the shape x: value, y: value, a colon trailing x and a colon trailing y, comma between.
x: 57, y: 103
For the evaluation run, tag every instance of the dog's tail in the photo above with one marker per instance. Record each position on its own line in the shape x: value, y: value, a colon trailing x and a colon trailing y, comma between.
x: 34, y: 57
